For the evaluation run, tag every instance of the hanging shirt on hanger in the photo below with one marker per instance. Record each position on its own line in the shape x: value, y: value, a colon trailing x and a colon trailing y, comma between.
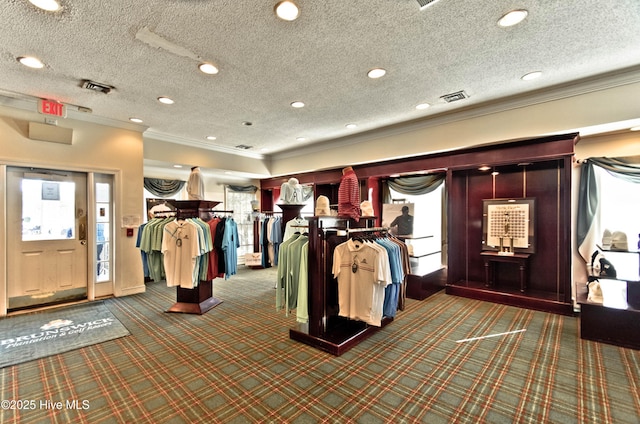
x: 361, y: 281
x: 180, y: 249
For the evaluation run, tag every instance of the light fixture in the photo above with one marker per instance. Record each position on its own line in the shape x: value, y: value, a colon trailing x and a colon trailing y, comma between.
x: 634, y: 129
x: 208, y: 68
x: 136, y: 120
x: 48, y: 5
x: 287, y: 11
x: 351, y: 126
x: 165, y: 100
x: 484, y: 168
x: 31, y: 62
x: 211, y: 137
x: 297, y: 104
x: 531, y: 76
x: 301, y: 139
x: 376, y: 73
x: 423, y: 106
x: 494, y: 173
x: 513, y: 18
x: 177, y: 166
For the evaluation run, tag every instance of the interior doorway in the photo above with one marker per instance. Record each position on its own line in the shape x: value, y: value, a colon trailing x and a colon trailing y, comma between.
x: 46, y: 237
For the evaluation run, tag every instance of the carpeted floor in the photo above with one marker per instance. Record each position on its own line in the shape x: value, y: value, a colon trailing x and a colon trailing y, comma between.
x: 236, y: 364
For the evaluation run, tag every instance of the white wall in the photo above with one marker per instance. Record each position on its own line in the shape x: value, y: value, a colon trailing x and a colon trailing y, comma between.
x: 95, y: 148
x: 521, y: 120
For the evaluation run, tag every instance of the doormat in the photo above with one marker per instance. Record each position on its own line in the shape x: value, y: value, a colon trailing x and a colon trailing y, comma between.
x: 40, y: 334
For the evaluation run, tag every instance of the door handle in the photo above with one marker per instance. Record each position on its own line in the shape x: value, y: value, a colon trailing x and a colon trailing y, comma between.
x: 82, y: 230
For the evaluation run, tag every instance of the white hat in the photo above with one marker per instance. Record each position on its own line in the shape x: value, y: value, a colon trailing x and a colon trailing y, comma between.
x: 322, y: 206
x: 619, y: 241
x: 366, y: 208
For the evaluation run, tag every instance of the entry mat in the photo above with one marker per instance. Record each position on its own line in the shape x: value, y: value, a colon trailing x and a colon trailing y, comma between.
x: 40, y: 334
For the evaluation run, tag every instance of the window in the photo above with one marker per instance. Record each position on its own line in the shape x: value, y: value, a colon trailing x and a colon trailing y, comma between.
x: 48, y: 210
x: 104, y: 224
x: 619, y: 205
x: 425, y: 245
x: 240, y: 204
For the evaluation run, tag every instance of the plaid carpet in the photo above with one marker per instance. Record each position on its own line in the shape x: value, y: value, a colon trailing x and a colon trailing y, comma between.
x: 236, y: 364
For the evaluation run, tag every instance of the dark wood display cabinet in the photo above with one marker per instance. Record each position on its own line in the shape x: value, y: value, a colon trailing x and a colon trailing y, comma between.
x: 535, y: 277
x: 617, y: 319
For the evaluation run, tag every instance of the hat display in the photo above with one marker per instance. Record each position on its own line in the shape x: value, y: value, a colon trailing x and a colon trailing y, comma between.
x: 366, y: 208
x: 619, y: 241
x: 606, y: 239
x: 322, y: 206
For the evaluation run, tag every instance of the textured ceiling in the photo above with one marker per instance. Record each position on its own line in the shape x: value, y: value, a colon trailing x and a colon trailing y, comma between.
x: 147, y: 49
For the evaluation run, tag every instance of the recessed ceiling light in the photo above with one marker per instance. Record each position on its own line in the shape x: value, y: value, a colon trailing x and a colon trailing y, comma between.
x: 136, y: 120
x: 301, y: 139
x: 177, y: 166
x: 208, y: 68
x: 287, y: 10
x: 484, y: 168
x: 422, y: 106
x: 513, y: 18
x: 351, y: 126
x: 531, y: 75
x: 634, y: 129
x: 48, y: 5
x: 297, y: 104
x: 165, y: 100
x: 376, y: 73
x: 31, y: 62
x: 211, y: 137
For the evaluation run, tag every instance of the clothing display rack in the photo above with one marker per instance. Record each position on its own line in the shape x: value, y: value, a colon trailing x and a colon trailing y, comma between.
x: 326, y: 330
x: 289, y: 212
x: 256, y: 228
x: 198, y: 300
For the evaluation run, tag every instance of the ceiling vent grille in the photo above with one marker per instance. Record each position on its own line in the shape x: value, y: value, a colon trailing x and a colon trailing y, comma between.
x: 425, y: 3
x: 96, y: 86
x: 454, y: 97
x: 243, y: 147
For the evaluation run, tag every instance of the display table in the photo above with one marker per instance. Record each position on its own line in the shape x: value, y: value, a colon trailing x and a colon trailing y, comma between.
x: 520, y: 259
x: 615, y: 321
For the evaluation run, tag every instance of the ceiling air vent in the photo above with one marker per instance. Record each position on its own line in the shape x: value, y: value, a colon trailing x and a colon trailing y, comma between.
x: 454, y: 97
x: 243, y: 147
x: 425, y: 3
x: 96, y: 86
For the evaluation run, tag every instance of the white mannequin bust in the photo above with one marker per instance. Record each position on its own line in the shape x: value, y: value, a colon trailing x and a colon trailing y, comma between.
x: 291, y: 192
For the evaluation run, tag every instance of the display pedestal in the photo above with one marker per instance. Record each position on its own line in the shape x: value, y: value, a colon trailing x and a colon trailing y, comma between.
x: 326, y: 330
x: 200, y: 299
x: 289, y: 212
x: 342, y: 336
x: 195, y: 301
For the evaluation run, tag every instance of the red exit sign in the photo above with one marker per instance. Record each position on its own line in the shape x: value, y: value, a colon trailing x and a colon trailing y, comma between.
x: 51, y: 107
